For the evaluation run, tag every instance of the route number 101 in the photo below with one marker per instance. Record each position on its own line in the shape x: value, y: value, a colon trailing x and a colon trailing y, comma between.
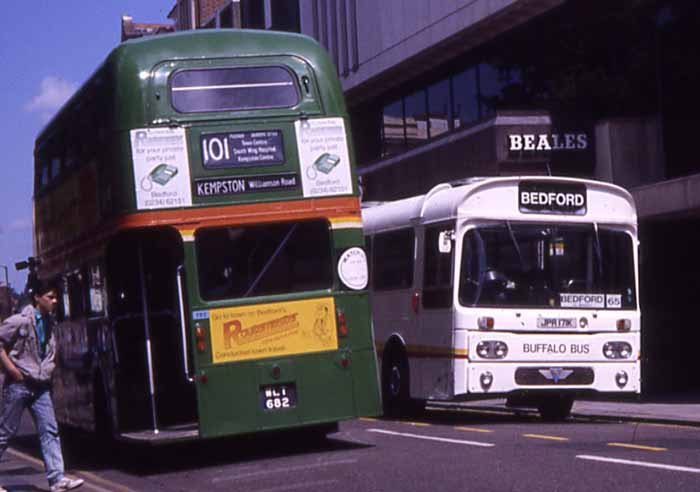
x: 215, y: 149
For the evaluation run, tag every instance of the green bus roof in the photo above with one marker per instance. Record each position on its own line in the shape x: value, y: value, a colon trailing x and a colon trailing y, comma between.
x: 128, y: 65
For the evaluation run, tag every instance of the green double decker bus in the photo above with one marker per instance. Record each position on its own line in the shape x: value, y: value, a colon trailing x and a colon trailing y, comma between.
x: 197, y: 200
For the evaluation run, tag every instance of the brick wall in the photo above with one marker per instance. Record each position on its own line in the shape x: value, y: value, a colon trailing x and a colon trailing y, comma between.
x: 207, y: 8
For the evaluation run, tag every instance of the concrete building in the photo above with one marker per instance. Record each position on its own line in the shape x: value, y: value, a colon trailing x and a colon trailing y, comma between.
x: 442, y: 90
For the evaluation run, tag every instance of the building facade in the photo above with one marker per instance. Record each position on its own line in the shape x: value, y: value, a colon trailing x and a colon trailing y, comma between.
x: 444, y: 90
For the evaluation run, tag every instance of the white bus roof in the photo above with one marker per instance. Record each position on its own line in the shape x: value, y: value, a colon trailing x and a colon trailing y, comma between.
x: 497, y: 199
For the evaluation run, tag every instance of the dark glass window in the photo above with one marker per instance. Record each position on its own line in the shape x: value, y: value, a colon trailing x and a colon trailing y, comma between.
x: 285, y: 15
x: 230, y: 89
x: 416, y: 119
x: 55, y: 168
x: 495, y: 84
x: 392, y: 260
x: 226, y: 17
x: 393, y: 136
x: 259, y: 260
x: 439, y: 108
x: 253, y: 14
x: 465, y: 104
x: 437, y: 273
x: 76, y: 295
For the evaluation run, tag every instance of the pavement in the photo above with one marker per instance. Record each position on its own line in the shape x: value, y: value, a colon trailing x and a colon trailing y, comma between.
x: 683, y: 409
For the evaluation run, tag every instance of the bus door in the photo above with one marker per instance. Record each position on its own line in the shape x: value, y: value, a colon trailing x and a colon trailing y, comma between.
x: 152, y: 390
x: 436, y: 317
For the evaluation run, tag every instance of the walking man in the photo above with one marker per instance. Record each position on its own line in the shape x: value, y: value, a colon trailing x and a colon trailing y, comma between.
x: 27, y: 356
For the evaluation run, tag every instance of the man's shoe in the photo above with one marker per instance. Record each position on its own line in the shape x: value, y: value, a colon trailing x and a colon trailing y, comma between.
x: 67, y: 484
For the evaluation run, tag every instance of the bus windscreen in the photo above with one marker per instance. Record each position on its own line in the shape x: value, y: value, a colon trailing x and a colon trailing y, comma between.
x: 547, y: 266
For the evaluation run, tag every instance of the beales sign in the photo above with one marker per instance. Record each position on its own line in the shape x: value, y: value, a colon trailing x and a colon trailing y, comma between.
x: 543, y: 141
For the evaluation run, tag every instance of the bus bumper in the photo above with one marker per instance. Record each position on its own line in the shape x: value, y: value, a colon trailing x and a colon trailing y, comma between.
x: 505, y: 377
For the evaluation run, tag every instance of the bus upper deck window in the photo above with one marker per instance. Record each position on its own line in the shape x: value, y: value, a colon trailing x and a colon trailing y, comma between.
x: 233, y: 89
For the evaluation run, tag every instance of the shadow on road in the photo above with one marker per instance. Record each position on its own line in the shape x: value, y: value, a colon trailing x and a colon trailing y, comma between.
x: 83, y: 451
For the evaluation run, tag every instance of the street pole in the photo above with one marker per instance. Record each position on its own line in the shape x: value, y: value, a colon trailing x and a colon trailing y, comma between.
x: 7, y: 291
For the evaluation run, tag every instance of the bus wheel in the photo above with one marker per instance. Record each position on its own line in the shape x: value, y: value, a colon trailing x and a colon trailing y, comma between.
x: 555, y: 407
x: 395, y: 388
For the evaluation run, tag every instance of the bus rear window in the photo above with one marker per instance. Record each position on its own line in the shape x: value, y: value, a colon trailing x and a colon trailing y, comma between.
x: 232, y: 89
x: 268, y: 259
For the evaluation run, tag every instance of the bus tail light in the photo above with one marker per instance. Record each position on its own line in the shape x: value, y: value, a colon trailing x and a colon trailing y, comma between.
x: 485, y: 323
x: 415, y: 302
x: 200, y: 338
x: 624, y: 325
x: 342, y: 323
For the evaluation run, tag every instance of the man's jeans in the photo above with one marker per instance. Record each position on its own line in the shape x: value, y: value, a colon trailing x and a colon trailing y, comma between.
x: 16, y: 396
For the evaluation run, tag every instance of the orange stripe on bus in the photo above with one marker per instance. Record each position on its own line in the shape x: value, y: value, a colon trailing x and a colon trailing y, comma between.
x: 187, y: 220
x: 429, y: 352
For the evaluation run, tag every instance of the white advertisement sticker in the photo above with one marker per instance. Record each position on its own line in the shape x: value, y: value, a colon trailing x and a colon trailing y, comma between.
x: 352, y: 268
x: 161, y: 168
x: 323, y: 157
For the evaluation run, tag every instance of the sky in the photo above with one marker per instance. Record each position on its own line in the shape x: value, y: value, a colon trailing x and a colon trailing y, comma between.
x: 48, y: 49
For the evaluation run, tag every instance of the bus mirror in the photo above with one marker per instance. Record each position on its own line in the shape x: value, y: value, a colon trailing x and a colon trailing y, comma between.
x: 445, y: 241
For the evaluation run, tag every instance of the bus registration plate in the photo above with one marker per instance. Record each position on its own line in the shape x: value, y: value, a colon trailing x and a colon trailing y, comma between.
x: 556, y: 322
x: 278, y: 397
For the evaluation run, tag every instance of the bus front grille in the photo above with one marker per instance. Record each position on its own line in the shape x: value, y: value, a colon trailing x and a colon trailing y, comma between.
x: 543, y: 376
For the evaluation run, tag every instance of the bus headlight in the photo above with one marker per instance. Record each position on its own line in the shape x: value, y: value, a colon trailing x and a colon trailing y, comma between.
x: 617, y: 350
x: 492, y: 349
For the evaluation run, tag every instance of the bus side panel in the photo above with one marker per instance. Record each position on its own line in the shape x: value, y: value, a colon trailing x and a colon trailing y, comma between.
x: 366, y: 383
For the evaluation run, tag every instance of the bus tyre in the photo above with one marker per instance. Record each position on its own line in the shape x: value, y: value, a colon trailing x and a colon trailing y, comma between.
x: 555, y: 407
x: 395, y: 385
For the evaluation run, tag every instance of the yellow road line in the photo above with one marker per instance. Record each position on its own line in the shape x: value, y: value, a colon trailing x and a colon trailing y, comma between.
x: 636, y: 446
x: 472, y: 429
x: 469, y: 410
x: 368, y: 419
x: 84, y: 474
x: 417, y: 424
x: 105, y: 481
x: 547, y: 438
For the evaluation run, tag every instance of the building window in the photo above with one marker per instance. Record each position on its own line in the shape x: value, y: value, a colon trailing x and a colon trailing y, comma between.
x: 285, y: 15
x: 226, y: 17
x: 495, y: 85
x: 439, y: 108
x: 393, y: 134
x: 416, y: 119
x: 253, y: 14
x: 465, y: 103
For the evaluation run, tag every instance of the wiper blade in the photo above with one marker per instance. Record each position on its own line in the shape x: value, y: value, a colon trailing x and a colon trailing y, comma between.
x: 516, y: 245
x: 598, y: 250
x: 270, y: 260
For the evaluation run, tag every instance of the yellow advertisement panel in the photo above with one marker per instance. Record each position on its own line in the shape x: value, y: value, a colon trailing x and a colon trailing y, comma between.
x: 272, y: 330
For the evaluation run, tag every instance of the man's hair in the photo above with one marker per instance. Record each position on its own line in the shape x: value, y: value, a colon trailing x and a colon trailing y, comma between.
x: 39, y: 287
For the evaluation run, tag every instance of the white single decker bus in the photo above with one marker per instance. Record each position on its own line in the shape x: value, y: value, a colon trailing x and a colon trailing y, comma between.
x: 520, y: 287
